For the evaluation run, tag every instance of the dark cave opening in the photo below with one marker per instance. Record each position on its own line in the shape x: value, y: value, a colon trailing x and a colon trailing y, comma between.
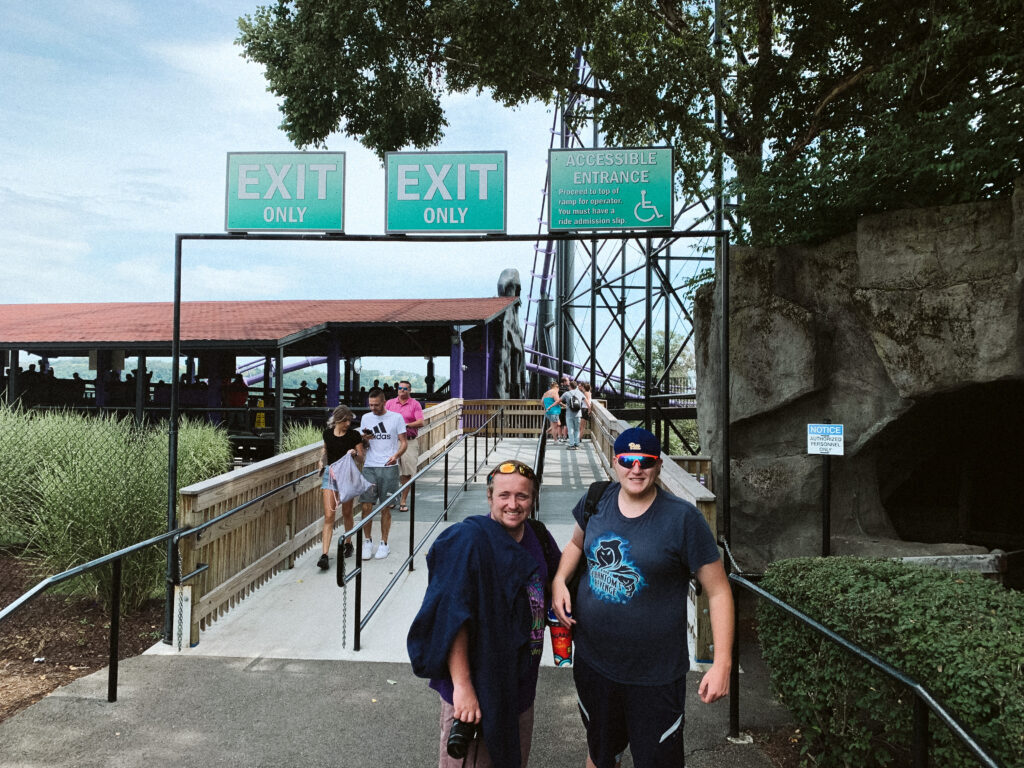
x: 951, y: 469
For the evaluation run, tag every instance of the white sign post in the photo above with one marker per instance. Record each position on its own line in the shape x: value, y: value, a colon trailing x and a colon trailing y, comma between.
x: 825, y: 439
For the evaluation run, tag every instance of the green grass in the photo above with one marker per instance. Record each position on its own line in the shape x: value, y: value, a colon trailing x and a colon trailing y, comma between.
x: 77, y: 487
x: 299, y: 436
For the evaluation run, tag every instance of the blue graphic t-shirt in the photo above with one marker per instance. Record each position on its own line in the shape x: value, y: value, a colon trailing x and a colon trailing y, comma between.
x: 631, y: 607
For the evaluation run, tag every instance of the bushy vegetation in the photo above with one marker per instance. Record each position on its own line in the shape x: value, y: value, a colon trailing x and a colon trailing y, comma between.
x: 956, y: 633
x: 76, y: 487
x: 298, y: 435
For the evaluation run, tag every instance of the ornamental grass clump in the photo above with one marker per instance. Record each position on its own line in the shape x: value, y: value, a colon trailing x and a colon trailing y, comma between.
x: 958, y: 634
x: 87, y: 485
x: 300, y: 436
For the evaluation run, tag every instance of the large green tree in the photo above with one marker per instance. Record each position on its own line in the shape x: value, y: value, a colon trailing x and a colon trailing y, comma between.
x: 832, y: 108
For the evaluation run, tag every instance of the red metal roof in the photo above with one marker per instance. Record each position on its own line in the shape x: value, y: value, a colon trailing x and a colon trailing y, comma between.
x: 241, y: 321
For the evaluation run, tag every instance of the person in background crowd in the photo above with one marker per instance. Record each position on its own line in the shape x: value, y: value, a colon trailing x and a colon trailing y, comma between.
x: 563, y: 429
x: 552, y: 410
x: 384, y: 435
x: 641, y: 545
x: 303, y: 396
x: 340, y: 437
x: 412, y: 412
x: 585, y: 413
x: 480, y: 631
x: 572, y: 405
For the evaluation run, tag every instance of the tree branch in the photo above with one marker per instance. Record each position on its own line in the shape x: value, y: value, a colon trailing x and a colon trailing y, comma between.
x: 814, y: 129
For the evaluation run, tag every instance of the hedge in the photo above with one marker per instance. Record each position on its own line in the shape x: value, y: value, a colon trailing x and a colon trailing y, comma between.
x: 956, y: 633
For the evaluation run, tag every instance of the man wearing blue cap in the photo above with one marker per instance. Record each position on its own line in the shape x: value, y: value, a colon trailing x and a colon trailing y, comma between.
x: 641, y: 545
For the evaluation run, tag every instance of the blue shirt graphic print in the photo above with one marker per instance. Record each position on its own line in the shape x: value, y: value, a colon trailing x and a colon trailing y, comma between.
x: 614, y: 575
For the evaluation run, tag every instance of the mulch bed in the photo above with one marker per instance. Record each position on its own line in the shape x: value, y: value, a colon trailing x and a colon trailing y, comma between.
x: 56, y: 639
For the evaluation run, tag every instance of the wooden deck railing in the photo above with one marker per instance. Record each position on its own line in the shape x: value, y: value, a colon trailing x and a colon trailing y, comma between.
x: 246, y: 549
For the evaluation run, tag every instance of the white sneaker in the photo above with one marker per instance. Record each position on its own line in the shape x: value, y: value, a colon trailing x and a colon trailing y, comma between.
x: 367, y: 549
x: 382, y: 551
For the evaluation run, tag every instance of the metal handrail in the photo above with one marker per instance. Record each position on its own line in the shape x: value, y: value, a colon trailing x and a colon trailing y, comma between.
x: 538, y: 461
x: 343, y: 577
x: 923, y: 698
x: 114, y: 559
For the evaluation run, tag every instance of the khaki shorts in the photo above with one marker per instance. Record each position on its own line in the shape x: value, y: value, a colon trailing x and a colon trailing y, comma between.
x: 409, y: 461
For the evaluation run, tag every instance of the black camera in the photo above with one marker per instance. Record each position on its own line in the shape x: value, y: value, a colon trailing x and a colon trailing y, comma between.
x: 459, y: 738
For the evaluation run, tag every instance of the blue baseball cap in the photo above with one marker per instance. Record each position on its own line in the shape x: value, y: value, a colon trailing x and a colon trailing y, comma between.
x: 637, y: 440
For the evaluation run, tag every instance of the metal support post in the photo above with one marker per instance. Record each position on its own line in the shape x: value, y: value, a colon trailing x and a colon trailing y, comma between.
x: 115, y: 628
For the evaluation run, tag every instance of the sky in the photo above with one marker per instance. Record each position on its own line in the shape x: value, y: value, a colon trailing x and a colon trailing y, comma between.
x: 116, y: 117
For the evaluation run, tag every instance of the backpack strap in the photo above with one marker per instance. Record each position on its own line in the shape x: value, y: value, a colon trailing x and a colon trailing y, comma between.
x: 594, y: 494
x: 541, y: 532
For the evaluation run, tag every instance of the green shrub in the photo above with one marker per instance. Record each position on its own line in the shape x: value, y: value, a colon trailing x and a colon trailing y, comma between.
x: 299, y: 436
x: 958, y: 634
x: 86, y: 486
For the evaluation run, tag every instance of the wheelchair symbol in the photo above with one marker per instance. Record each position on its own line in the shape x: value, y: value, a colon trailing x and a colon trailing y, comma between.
x: 644, y: 205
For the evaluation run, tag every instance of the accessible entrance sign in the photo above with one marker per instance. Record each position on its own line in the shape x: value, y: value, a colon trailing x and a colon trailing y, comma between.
x: 825, y: 439
x: 444, y: 192
x: 611, y: 188
x: 285, y: 191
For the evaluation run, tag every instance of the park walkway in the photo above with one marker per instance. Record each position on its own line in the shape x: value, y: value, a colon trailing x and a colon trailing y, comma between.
x: 271, y: 684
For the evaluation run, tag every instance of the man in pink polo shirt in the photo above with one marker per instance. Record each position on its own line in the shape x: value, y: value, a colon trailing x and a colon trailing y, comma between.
x: 412, y: 412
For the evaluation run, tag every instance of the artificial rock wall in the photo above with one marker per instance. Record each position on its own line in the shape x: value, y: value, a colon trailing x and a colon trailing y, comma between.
x: 910, y: 333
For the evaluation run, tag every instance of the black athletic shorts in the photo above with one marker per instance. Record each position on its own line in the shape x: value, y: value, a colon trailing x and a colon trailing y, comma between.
x: 648, y: 718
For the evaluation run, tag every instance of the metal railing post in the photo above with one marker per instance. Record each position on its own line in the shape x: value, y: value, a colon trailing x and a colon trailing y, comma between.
x: 920, y: 738
x: 446, y: 486
x: 412, y: 524
x: 115, y: 628
x: 734, y: 673
x: 359, y: 589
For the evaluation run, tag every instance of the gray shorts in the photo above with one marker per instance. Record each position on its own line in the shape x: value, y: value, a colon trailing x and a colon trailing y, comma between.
x: 386, y: 483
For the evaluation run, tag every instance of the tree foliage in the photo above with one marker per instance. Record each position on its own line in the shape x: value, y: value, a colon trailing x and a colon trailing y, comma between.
x: 679, y: 355
x: 832, y: 108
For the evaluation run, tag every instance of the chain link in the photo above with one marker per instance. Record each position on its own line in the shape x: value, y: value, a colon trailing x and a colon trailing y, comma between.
x: 181, y: 601
x: 732, y: 561
x: 344, y: 603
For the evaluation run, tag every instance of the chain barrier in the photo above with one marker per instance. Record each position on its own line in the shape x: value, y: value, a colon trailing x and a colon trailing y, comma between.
x: 344, y: 602
x: 181, y: 601
x: 734, y: 567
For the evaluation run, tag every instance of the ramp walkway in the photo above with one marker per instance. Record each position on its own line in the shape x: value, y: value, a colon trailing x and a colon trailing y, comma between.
x: 272, y: 684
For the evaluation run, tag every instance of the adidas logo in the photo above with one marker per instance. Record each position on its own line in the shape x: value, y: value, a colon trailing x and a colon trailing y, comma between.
x: 379, y: 433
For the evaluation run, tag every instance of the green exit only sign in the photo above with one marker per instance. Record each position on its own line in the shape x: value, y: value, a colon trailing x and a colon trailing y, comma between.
x: 439, y: 192
x: 285, y: 191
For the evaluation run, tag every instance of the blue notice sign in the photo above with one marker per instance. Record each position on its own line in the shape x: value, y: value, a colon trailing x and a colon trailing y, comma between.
x: 825, y: 439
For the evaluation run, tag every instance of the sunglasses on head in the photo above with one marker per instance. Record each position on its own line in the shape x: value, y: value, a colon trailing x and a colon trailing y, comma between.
x: 645, y: 460
x: 510, y: 468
